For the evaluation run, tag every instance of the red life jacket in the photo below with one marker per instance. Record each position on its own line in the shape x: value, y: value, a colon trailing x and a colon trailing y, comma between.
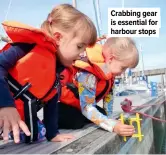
x: 33, y: 78
x: 94, y: 65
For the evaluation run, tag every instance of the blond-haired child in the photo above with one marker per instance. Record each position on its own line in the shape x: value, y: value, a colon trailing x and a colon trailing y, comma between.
x: 90, y: 85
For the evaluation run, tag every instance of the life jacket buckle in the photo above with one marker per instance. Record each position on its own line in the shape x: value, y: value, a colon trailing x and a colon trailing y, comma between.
x: 57, y: 81
x: 56, y: 84
x: 23, y: 90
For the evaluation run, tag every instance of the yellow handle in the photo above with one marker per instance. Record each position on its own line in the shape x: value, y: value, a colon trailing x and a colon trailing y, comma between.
x: 137, y: 120
x: 122, y: 121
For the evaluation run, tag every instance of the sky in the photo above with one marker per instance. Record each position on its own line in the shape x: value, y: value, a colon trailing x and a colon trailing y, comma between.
x: 34, y: 12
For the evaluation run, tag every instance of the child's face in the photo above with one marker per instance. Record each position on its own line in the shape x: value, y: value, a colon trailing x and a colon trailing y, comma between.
x: 70, y: 48
x: 117, y: 67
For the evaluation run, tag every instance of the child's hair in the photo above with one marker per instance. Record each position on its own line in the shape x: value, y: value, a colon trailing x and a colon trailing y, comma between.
x: 66, y: 18
x: 121, y: 48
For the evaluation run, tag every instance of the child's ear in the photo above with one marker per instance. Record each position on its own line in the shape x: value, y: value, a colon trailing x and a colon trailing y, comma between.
x: 57, y: 37
x: 111, y: 58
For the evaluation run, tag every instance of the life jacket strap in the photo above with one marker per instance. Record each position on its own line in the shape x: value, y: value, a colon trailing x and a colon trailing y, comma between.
x: 21, y: 91
x: 30, y: 107
x: 74, y: 89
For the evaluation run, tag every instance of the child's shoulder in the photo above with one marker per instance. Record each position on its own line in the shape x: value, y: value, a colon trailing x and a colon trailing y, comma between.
x: 84, y: 75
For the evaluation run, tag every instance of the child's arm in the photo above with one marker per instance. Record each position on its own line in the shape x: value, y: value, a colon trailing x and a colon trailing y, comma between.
x: 87, y: 92
x: 8, y: 59
x: 51, y: 122
x: 108, y: 103
x: 9, y: 117
x: 51, y: 118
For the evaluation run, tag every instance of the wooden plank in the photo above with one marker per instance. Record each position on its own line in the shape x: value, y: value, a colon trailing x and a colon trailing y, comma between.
x: 98, y: 143
x: 45, y: 147
x: 81, y: 143
x: 49, y: 147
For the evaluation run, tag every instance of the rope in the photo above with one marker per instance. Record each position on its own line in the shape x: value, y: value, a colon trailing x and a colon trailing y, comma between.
x: 126, y: 106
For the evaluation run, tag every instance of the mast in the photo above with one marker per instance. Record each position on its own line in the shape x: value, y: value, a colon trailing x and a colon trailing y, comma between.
x: 99, y: 16
x: 123, y: 7
x: 122, y: 3
x: 8, y: 9
x: 142, y: 58
x: 96, y: 18
x: 2, y: 38
x: 74, y: 3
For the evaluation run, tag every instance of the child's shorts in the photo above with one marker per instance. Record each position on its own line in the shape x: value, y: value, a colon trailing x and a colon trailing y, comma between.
x: 41, y: 133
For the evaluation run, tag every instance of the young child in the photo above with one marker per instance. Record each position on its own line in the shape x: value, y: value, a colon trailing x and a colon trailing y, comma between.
x: 94, y: 78
x: 31, y: 66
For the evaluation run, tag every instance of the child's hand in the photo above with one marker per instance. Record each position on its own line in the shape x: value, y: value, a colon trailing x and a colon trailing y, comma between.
x: 62, y: 137
x: 123, y: 129
x: 10, y: 121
